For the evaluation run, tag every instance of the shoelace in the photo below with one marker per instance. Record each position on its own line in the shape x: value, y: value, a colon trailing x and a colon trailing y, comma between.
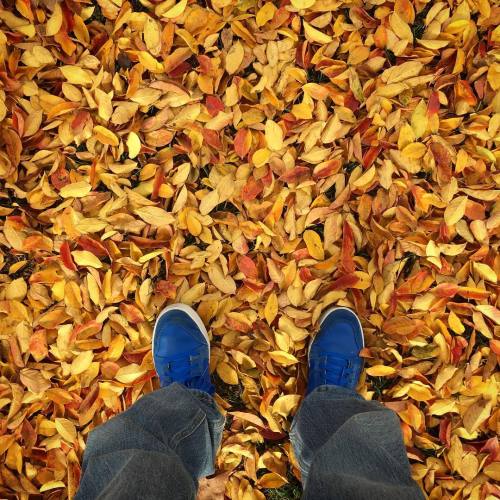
x: 334, y: 369
x: 191, y: 369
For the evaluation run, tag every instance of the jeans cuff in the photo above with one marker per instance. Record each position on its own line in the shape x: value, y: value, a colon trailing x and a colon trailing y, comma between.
x: 337, y: 391
x: 206, y: 399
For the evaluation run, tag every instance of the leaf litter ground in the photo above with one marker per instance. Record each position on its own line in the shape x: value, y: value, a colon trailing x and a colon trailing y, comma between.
x: 259, y: 162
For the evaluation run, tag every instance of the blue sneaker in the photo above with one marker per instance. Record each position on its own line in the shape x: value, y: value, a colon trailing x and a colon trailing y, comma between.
x: 181, y: 348
x: 334, y: 352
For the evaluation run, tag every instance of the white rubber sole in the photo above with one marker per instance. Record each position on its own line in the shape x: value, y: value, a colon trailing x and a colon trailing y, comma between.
x: 191, y: 313
x: 326, y: 314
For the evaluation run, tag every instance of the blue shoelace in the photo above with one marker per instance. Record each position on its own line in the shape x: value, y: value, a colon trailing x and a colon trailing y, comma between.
x: 188, y: 369
x: 334, y: 369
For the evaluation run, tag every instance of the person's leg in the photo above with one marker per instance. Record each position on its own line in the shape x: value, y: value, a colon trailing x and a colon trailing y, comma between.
x: 167, y: 440
x: 350, y: 448
x: 347, y: 447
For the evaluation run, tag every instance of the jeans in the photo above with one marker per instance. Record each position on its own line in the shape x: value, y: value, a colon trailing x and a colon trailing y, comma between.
x: 347, y: 448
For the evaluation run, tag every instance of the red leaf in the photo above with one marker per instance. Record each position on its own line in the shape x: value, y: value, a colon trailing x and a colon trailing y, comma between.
x: 495, y: 346
x: 38, y: 344
x: 445, y: 431
x: 214, y: 105
x: 86, y: 330
x: 473, y: 293
x: 401, y: 325
x: 136, y: 356
x: 433, y: 104
x: 159, y: 178
x: 351, y: 102
x: 212, y: 138
x: 474, y: 210
x: 205, y: 64
x: 443, y: 160
x: 166, y: 288
x: 239, y: 326
x: 147, y: 242
x: 66, y: 257
x: 326, y: 169
x: 247, y: 266
x: 458, y: 344
x: 242, y: 142
x: 60, y: 178
x: 294, y: 174
x: 78, y: 122
x: 267, y: 179
x: 445, y: 290
x: 464, y: 91
x: 132, y: 313
x: 305, y: 275
x: 301, y: 253
x: 370, y: 156
x: 93, y: 246
x: 344, y: 282
x: 251, y: 189
x: 347, y: 254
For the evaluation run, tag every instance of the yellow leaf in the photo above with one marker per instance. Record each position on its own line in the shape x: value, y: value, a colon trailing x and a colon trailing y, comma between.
x: 485, y: 272
x: 285, y: 404
x: 420, y: 392
x: 193, y: 224
x: 455, y: 324
x: 493, y: 470
x: 415, y: 150
x: 265, y: 14
x: 133, y: 145
x: 490, y: 311
x: 476, y: 414
x: 261, y: 157
x: 366, y: 179
x: 419, y: 121
x: 227, y: 373
x: 36, y: 57
x: 129, y: 373
x: 314, y: 245
x: 271, y: 309
x: 149, y: 62
x: 303, y: 4
x: 274, y: 136
x: 76, y: 75
x: 443, y: 406
x: 400, y: 28
x: 16, y: 289
x: 82, y: 362
x: 152, y: 35
x: 234, y: 57
x: 86, y: 258
x: 380, y: 371
x: 455, y: 210
x: 55, y: 21
x: 52, y: 485
x: 106, y: 136
x: 155, y: 216
x: 209, y: 202
x: 434, y: 44
x: 75, y: 190
x: 302, y: 111
x: 176, y: 10
x: 66, y: 429
x: 315, y: 35
x: 225, y: 284
x: 283, y: 358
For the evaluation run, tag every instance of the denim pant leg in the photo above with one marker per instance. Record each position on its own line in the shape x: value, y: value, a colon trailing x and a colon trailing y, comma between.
x: 158, y: 448
x: 350, y: 448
